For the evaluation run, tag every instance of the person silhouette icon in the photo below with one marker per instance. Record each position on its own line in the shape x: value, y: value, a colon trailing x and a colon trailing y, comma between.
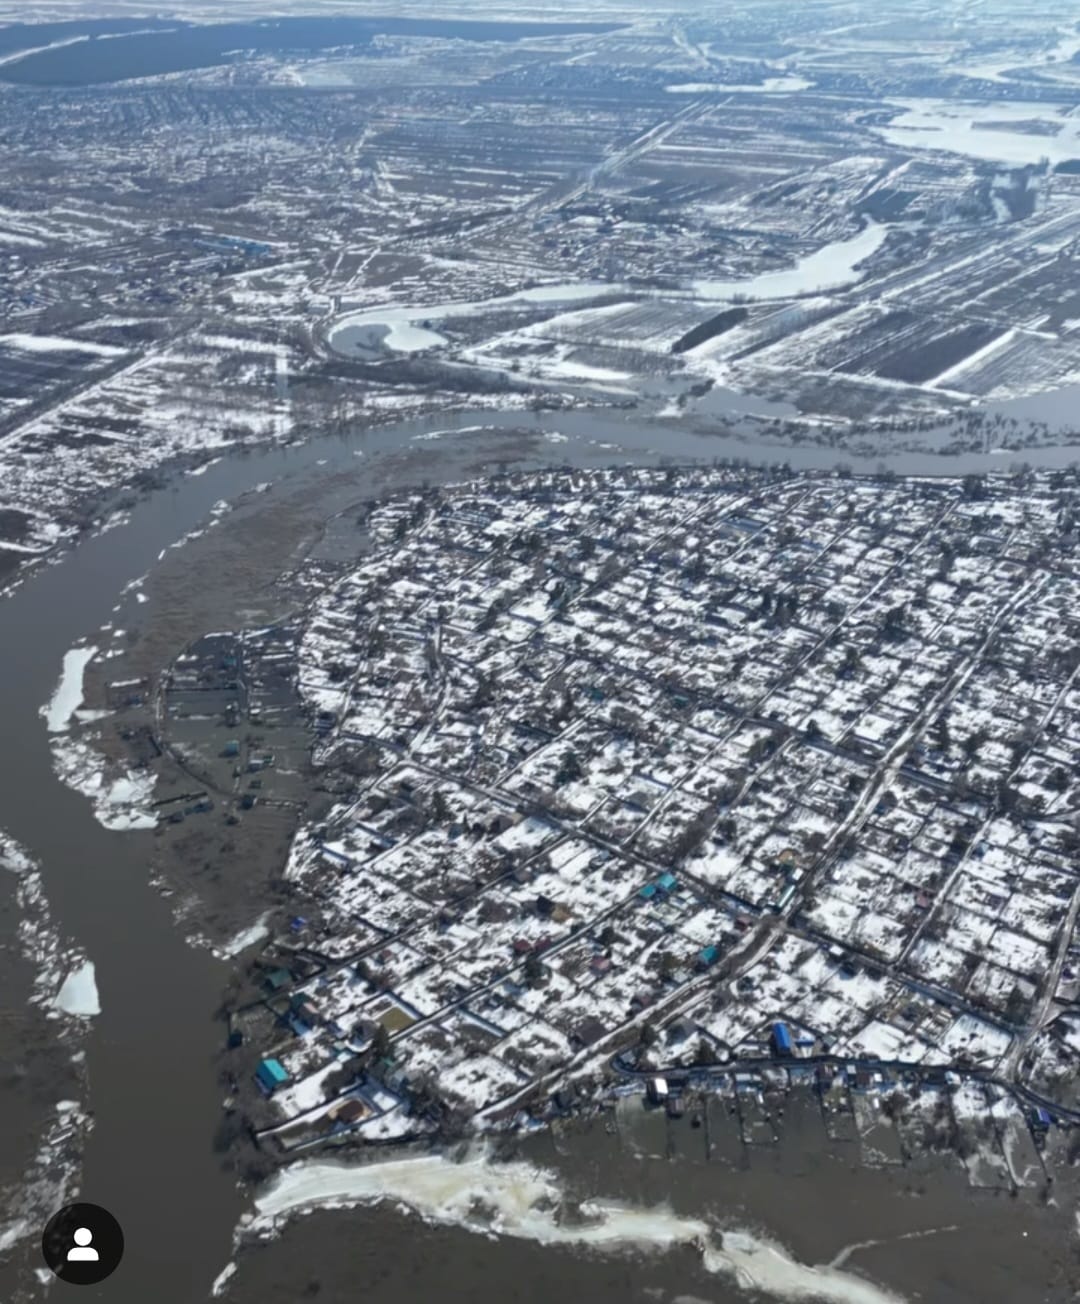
x: 82, y: 1244
x: 82, y: 1251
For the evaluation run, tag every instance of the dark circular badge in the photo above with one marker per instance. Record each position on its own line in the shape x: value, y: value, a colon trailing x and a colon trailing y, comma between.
x: 82, y: 1243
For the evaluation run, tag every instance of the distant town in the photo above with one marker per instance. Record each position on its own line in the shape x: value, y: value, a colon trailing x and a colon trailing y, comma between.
x: 861, y: 247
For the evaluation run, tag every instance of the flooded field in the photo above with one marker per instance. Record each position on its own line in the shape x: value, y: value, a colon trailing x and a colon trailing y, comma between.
x: 1012, y: 133
x: 407, y: 329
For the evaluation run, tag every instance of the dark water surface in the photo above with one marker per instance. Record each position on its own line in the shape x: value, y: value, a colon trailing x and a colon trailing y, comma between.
x: 917, y: 1233
x: 181, y: 46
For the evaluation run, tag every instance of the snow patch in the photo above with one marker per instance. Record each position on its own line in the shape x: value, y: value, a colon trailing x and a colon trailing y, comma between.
x: 257, y: 932
x: 57, y: 344
x: 770, y: 86
x: 120, y: 803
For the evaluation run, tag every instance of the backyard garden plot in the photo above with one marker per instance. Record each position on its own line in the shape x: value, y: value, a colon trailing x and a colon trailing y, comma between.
x: 880, y: 935
x: 720, y: 865
x: 434, y: 988
x: 536, y: 1049
x: 885, y: 1042
x: 730, y: 1025
x: 976, y: 1040
x: 480, y: 1081
x: 616, y: 819
x: 371, y: 897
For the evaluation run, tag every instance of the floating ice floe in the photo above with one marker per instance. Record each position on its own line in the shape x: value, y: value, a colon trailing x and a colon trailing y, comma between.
x: 78, y: 994
x: 257, y: 932
x: 221, y: 1281
x: 519, y: 1200
x: 68, y: 696
x: 120, y: 803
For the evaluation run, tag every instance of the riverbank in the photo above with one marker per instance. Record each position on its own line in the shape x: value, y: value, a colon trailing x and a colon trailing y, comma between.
x: 707, y: 420
x: 43, y: 1081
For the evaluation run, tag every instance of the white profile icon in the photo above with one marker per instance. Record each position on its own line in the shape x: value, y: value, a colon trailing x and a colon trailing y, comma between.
x: 82, y: 1251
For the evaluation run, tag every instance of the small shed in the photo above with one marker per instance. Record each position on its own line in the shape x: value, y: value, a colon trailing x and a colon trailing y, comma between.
x: 679, y: 1029
x: 306, y: 1009
x: 350, y: 1111
x: 657, y: 1090
x: 588, y: 1031
x: 276, y: 979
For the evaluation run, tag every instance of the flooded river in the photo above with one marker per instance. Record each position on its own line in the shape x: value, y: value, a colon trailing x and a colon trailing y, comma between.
x: 153, y: 1089
x: 676, y: 1211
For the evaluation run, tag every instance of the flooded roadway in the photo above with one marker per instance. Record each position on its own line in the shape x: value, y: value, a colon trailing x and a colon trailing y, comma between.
x: 153, y: 1089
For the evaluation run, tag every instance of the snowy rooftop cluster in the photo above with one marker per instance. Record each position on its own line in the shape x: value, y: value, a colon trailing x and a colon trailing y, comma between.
x: 690, y: 752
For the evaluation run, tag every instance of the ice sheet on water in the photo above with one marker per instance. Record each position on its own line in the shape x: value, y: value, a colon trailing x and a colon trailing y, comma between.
x: 522, y: 1201
x: 78, y: 995
x: 68, y: 696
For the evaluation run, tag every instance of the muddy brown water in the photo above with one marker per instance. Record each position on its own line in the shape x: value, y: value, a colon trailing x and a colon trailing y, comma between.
x: 919, y: 1232
x: 153, y: 1089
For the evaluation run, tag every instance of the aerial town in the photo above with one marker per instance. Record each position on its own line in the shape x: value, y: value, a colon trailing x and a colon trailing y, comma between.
x: 653, y: 777
x: 540, y: 553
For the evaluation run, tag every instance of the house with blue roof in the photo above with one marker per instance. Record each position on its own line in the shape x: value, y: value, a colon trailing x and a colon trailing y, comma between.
x: 271, y: 1074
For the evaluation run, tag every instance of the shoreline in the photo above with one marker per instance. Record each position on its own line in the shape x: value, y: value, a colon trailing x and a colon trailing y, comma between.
x: 749, y: 430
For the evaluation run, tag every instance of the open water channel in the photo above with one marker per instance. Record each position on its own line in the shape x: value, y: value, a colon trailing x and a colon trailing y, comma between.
x: 154, y: 1094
